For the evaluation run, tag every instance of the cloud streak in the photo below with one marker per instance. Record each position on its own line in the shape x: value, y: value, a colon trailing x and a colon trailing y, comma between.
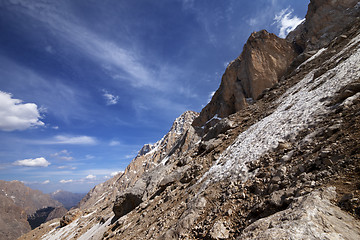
x: 16, y: 115
x: 121, y: 63
x: 68, y: 140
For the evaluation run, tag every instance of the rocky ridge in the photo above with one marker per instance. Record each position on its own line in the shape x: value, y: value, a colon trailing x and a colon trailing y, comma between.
x: 17, y: 204
x: 286, y: 166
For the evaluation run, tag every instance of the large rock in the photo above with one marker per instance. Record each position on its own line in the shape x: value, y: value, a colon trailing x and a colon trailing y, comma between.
x: 129, y: 200
x: 325, y: 20
x: 265, y: 58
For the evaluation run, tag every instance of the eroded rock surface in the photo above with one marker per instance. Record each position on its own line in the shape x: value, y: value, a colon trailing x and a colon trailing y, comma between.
x: 264, y: 60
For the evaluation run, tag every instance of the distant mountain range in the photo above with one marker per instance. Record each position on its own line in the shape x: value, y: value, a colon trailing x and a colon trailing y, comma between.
x: 68, y: 199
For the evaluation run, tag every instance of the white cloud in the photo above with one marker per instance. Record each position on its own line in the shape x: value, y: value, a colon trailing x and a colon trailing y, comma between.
x: 63, y: 155
x: 16, y: 115
x: 76, y: 140
x: 253, y: 22
x: 46, y: 182
x: 66, y: 181
x: 37, y: 162
x: 90, y: 176
x: 129, y: 156
x: 88, y: 157
x: 114, y: 143
x: 69, y: 140
x: 115, y: 173
x: 110, y: 98
x: 286, y: 22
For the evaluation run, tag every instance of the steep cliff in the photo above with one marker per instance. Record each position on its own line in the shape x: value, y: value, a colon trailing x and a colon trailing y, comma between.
x: 264, y: 60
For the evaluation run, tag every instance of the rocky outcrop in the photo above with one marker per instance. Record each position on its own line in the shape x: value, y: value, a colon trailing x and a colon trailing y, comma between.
x: 45, y: 214
x: 325, y: 20
x: 264, y: 60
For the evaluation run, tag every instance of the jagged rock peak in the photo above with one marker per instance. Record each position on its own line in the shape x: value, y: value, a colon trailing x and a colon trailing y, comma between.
x: 187, y: 117
x: 264, y: 59
x: 145, y: 149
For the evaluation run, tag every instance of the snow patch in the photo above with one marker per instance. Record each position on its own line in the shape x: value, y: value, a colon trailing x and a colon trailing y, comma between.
x: 98, y: 229
x: 215, y: 117
x: 67, y: 232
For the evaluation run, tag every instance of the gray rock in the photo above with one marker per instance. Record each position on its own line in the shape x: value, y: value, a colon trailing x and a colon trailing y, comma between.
x: 219, y: 231
x: 221, y: 127
x: 312, y: 216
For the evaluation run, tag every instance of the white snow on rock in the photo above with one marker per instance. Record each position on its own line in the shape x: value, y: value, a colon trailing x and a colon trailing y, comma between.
x: 67, y: 232
x: 297, y: 108
x: 96, y: 231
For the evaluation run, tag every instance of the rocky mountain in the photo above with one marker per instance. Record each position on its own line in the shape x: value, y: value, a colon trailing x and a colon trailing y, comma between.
x: 274, y: 155
x: 265, y: 58
x: 17, y: 204
x: 67, y: 199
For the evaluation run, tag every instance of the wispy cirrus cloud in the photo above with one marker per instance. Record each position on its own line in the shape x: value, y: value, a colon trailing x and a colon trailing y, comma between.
x: 63, y: 155
x: 120, y: 63
x: 16, y: 115
x: 37, y: 162
x: 110, y: 98
x: 67, y: 140
x: 54, y: 96
x: 114, y: 143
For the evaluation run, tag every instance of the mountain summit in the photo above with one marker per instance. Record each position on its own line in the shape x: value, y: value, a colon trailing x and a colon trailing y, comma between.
x: 274, y: 155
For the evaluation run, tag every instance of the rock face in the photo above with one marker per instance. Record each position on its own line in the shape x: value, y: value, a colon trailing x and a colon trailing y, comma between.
x: 45, y: 214
x: 264, y: 60
x: 284, y: 167
x: 17, y: 202
x: 308, y: 217
x: 325, y: 20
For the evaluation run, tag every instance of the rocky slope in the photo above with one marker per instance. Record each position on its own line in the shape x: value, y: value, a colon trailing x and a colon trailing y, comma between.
x: 148, y: 157
x: 282, y: 166
x: 17, y: 204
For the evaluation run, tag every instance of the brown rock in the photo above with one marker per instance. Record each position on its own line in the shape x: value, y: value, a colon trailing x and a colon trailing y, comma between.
x: 264, y: 60
x: 70, y: 217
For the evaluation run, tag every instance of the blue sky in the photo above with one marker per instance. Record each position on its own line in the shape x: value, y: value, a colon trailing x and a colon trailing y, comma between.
x: 84, y: 84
